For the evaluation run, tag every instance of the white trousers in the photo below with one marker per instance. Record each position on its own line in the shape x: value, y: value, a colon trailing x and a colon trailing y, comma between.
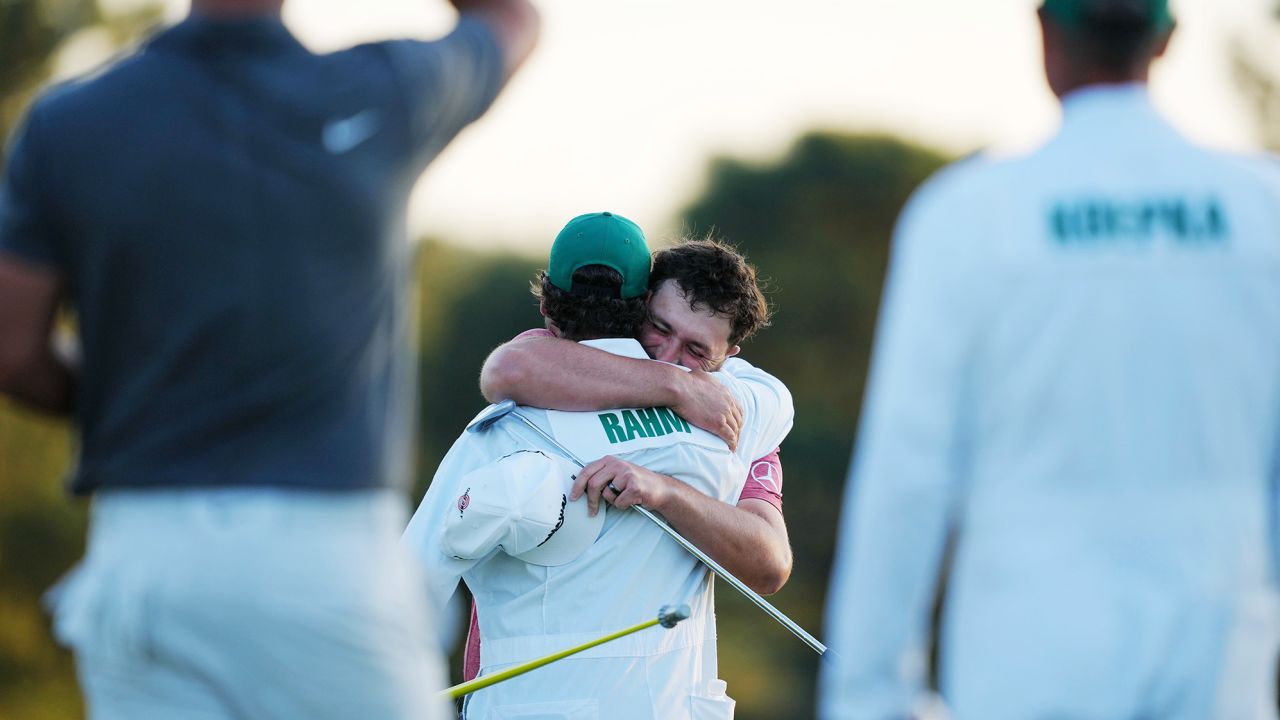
x: 250, y: 603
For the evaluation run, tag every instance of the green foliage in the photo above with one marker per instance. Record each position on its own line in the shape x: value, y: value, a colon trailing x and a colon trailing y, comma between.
x: 30, y: 31
x: 470, y: 304
x: 817, y: 224
x: 1260, y: 86
x: 41, y: 535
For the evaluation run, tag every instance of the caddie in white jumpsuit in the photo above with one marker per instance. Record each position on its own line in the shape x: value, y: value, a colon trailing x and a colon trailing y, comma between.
x: 1077, y: 376
x: 528, y: 611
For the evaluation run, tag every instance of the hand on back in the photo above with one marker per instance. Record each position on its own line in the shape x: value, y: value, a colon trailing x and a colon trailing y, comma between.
x: 708, y: 404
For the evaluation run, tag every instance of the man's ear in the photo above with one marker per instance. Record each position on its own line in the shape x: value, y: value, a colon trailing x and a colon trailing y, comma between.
x: 542, y: 308
x: 733, y: 351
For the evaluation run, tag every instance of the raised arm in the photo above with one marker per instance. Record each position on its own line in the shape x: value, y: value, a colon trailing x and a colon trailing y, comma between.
x: 565, y: 375
x: 515, y: 23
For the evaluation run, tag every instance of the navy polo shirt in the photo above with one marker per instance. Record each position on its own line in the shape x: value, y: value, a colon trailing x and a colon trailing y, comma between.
x: 227, y: 210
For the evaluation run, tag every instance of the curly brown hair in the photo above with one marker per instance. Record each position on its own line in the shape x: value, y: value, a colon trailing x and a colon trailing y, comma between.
x: 594, y: 308
x: 715, y: 276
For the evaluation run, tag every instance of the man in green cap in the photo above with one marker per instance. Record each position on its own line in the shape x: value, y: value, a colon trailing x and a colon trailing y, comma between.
x: 1075, y: 389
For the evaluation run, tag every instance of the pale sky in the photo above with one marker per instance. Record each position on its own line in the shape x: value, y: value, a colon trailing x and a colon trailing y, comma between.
x: 625, y: 101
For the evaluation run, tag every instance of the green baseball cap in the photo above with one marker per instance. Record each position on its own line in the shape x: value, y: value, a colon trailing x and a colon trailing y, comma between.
x: 1078, y: 13
x: 601, y: 239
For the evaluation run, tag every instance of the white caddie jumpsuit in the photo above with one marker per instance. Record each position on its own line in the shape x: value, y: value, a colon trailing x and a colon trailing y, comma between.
x: 529, y: 611
x: 1077, y: 371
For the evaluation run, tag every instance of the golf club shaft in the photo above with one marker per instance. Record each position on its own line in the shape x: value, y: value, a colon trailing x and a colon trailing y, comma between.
x: 720, y: 572
x: 479, y: 683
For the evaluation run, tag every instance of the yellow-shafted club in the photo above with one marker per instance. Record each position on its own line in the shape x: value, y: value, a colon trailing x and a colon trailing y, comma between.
x: 668, y: 616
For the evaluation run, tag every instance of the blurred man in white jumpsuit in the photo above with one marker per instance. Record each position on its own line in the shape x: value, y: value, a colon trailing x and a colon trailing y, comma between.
x: 1077, y: 380
x: 530, y: 610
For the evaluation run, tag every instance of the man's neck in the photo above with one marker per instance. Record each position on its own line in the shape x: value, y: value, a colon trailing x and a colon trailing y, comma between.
x: 1105, y: 79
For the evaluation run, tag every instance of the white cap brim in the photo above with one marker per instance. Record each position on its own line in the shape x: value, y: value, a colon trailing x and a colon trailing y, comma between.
x: 520, y: 503
x: 571, y: 539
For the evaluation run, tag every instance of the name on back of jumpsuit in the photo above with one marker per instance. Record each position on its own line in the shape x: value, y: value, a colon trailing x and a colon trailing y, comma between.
x: 1097, y: 221
x: 623, y: 425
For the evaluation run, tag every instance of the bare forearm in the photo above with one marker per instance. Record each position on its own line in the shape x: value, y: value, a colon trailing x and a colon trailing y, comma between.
x: 564, y: 375
x: 749, y: 540
x: 515, y: 22
x: 31, y: 370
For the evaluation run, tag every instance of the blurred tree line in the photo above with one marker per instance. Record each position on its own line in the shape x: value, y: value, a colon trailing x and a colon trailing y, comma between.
x: 1257, y: 69
x: 816, y: 222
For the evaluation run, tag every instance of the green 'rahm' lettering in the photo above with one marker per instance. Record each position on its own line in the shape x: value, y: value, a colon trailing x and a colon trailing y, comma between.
x: 672, y: 421
x: 668, y: 418
x: 641, y: 423
x: 611, y: 427
x: 633, y: 425
x: 652, y: 427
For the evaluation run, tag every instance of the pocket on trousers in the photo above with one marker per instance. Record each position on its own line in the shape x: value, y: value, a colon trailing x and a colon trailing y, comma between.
x: 68, y: 604
x: 711, y: 707
x: 558, y: 710
x: 101, y: 613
